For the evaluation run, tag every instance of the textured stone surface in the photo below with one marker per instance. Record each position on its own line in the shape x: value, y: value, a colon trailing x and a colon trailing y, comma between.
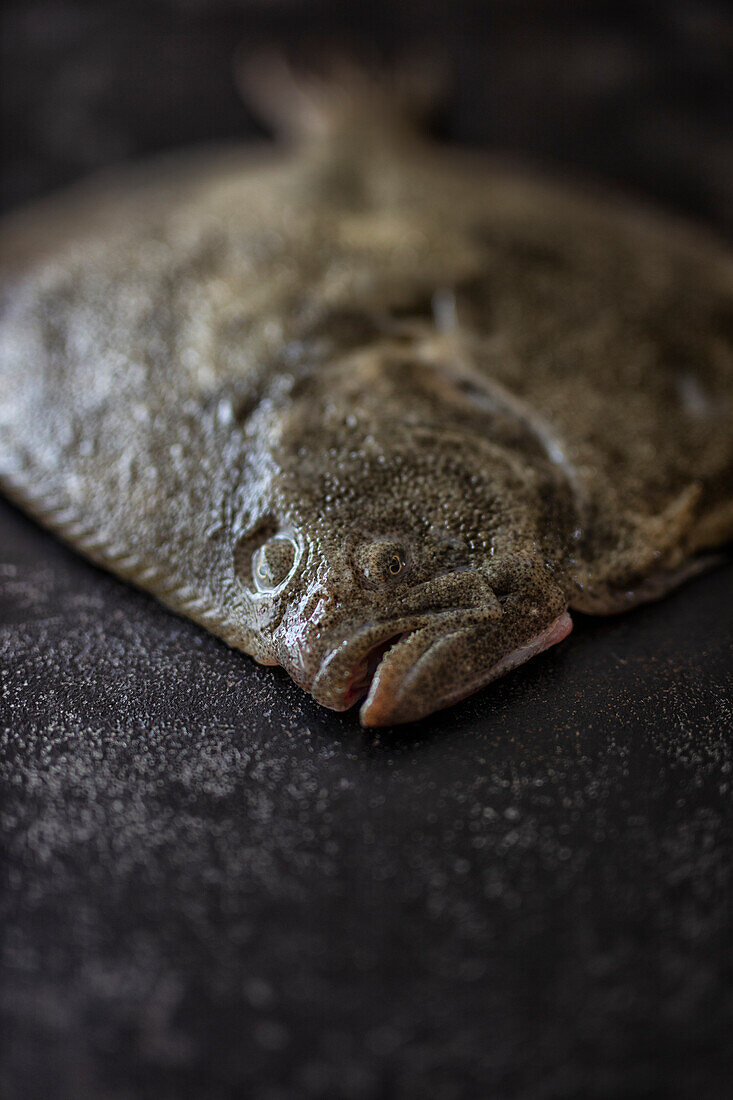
x: 211, y: 887
x: 212, y: 883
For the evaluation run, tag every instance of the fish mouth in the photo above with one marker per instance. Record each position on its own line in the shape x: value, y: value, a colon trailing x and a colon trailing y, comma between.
x: 408, y: 669
x: 348, y: 668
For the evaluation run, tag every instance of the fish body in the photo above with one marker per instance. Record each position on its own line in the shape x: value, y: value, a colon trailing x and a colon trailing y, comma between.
x: 376, y: 411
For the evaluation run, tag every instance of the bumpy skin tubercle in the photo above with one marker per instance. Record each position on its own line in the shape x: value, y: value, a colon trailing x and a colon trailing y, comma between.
x: 372, y: 411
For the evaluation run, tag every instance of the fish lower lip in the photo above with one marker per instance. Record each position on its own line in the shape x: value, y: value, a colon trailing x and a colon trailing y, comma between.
x: 401, y: 665
x: 347, y: 670
x: 397, y: 695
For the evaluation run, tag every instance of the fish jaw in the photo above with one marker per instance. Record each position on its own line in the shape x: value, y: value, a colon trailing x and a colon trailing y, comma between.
x: 434, y: 679
x: 349, y: 665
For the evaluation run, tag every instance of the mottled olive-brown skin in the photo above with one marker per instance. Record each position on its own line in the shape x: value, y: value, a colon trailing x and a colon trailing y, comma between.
x: 374, y: 411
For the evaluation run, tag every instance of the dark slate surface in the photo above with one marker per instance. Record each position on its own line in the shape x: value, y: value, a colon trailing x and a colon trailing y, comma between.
x: 213, y: 888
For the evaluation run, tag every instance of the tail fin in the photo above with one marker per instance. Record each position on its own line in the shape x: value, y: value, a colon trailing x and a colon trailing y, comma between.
x: 339, y: 94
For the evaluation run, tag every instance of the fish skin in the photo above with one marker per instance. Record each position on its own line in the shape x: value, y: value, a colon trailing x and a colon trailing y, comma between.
x: 375, y: 411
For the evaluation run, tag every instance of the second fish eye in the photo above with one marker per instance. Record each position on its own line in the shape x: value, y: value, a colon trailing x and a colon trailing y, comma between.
x: 382, y: 561
x: 396, y: 563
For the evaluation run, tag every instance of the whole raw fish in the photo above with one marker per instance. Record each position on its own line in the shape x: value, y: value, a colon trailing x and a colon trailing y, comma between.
x: 374, y: 410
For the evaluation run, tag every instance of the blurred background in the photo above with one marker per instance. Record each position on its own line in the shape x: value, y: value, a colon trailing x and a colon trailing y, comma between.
x: 212, y: 888
x: 639, y: 93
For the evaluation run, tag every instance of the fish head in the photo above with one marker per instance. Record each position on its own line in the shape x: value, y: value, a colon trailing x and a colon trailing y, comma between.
x: 406, y: 572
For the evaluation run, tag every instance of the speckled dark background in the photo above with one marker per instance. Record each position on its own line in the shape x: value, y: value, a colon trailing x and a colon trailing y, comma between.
x: 213, y: 888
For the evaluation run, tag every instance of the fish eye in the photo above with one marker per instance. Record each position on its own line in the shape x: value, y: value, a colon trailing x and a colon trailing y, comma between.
x: 273, y: 563
x: 382, y: 561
